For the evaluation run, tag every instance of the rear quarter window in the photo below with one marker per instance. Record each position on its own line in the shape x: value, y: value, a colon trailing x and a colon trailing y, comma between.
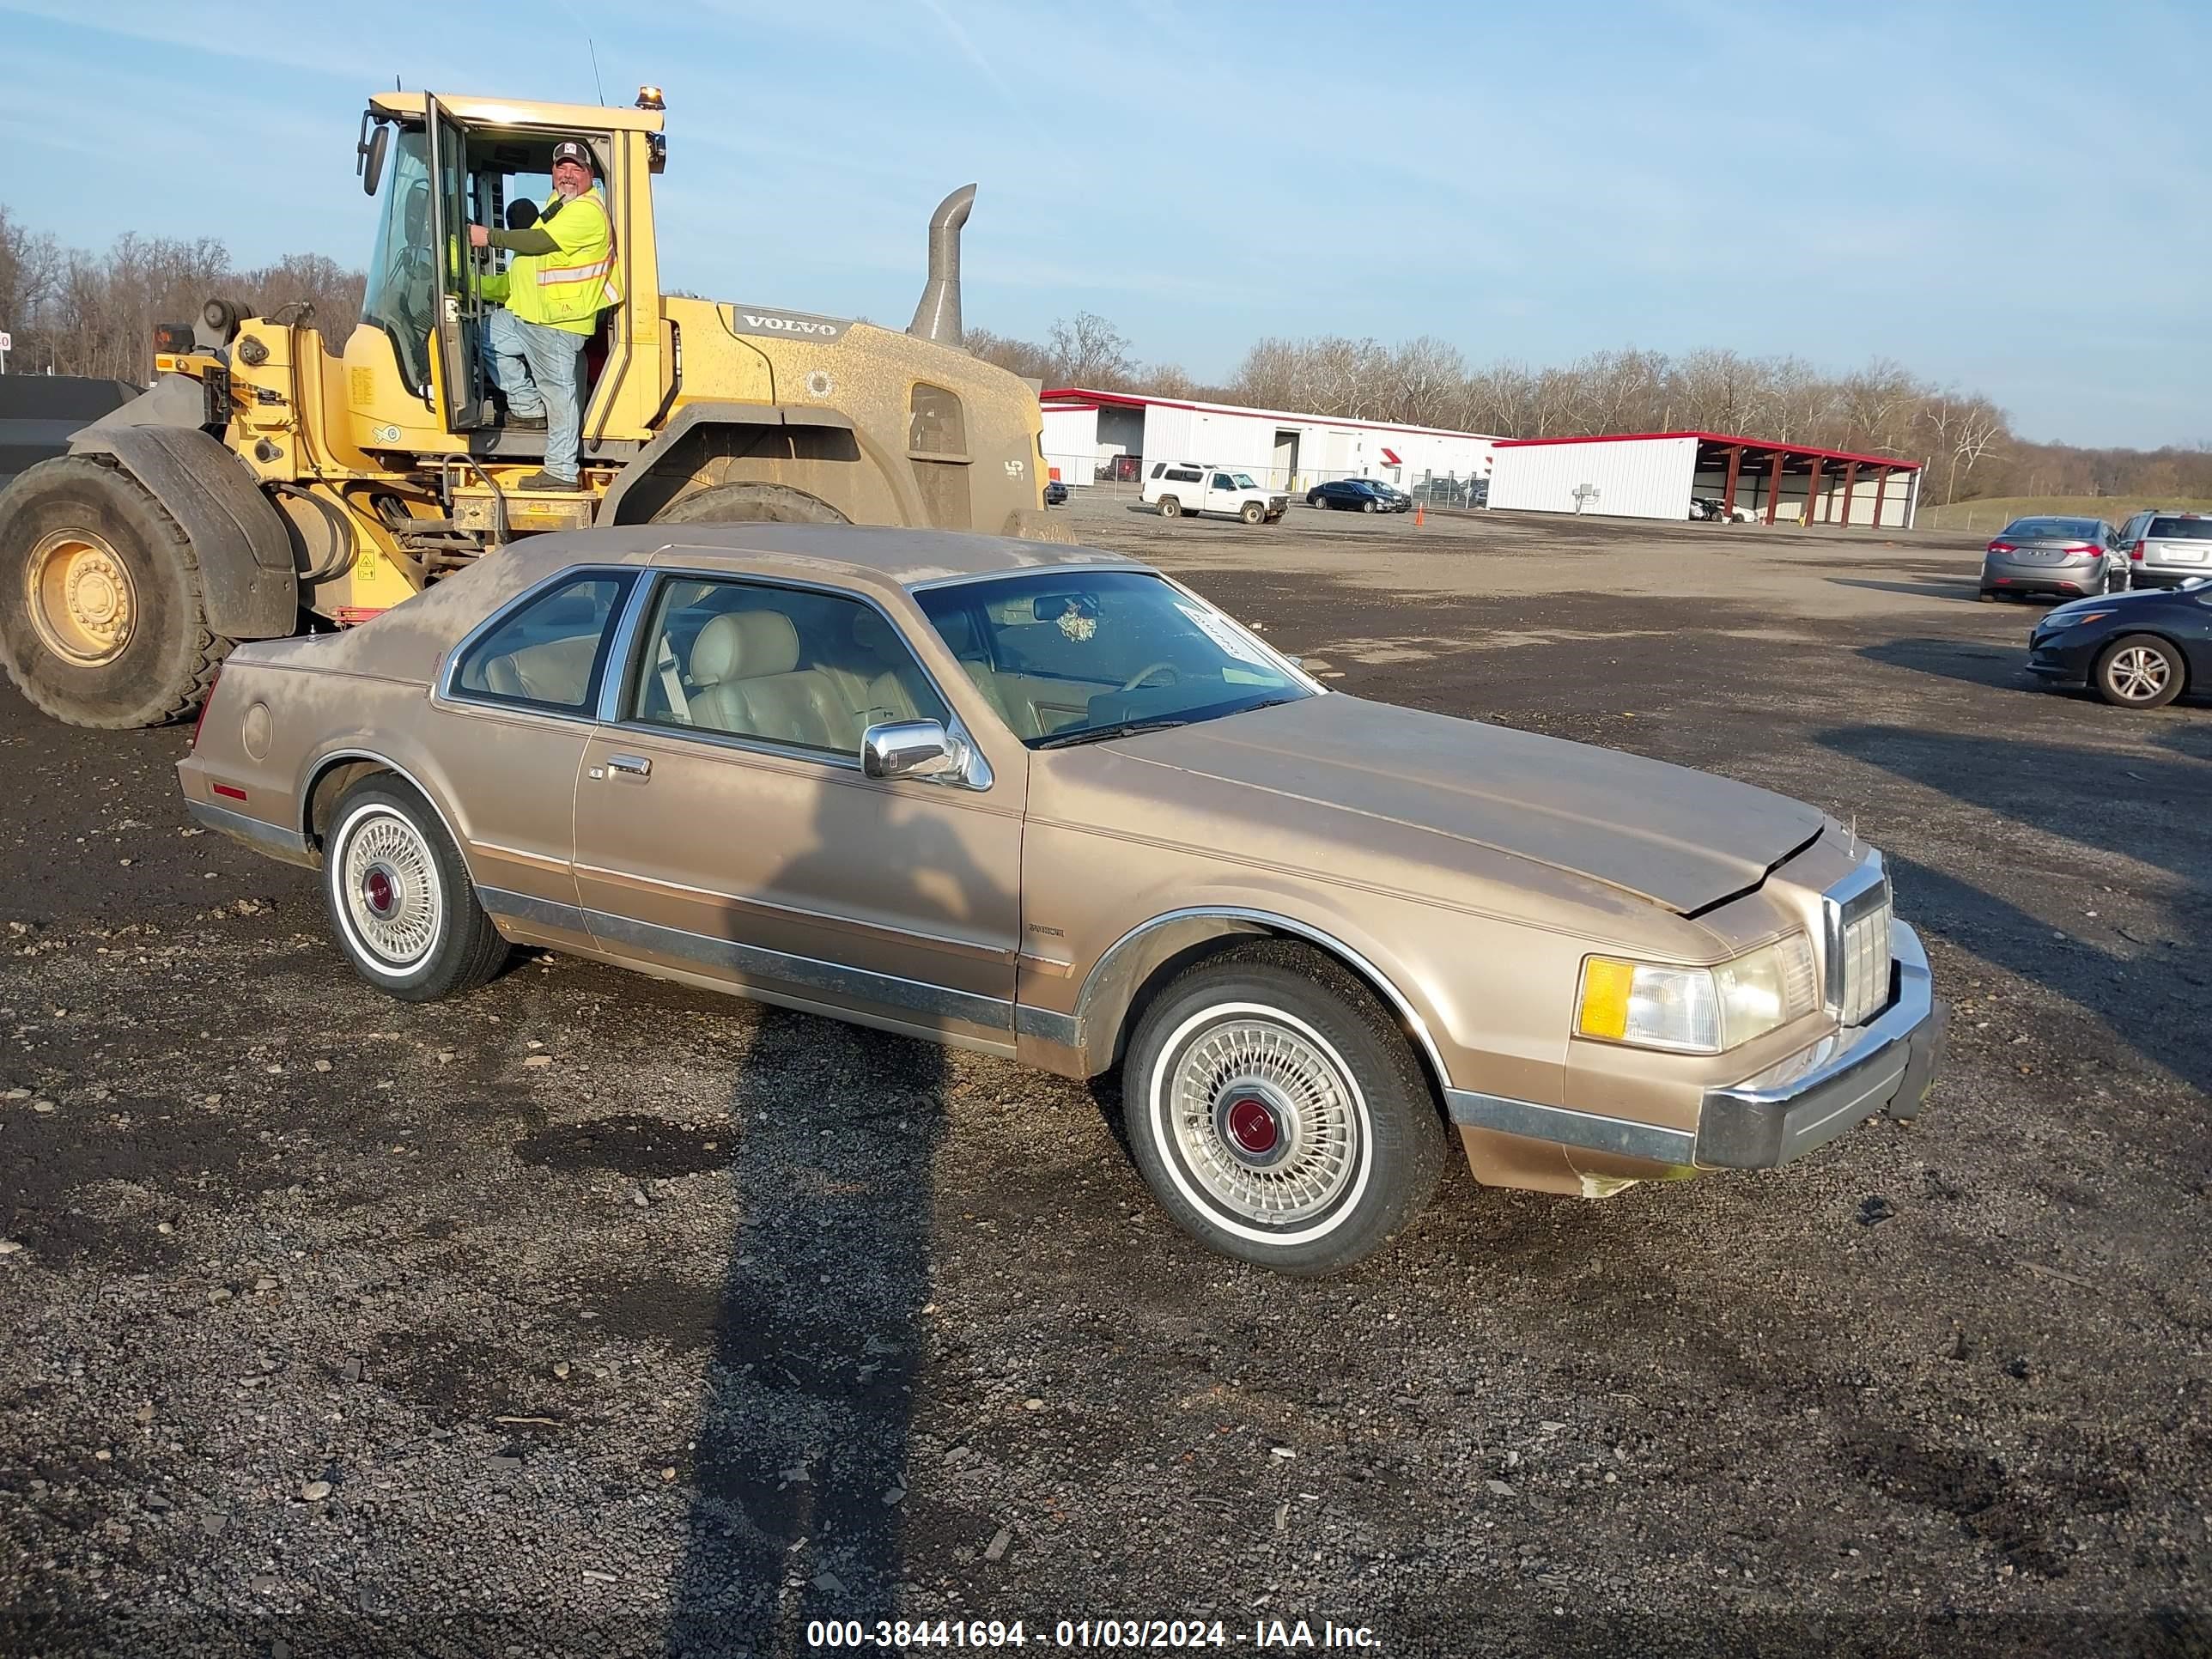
x: 549, y: 650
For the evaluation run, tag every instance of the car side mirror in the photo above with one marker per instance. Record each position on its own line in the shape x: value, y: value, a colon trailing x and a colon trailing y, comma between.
x: 912, y: 749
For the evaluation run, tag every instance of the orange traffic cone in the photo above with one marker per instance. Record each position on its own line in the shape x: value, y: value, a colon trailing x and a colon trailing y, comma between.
x: 1420, y: 513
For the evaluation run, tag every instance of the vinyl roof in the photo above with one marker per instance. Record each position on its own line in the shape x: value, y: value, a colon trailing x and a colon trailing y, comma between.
x: 1766, y: 446
x: 897, y: 556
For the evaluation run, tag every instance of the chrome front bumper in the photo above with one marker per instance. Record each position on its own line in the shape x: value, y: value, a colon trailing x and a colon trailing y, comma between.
x: 1884, y: 1066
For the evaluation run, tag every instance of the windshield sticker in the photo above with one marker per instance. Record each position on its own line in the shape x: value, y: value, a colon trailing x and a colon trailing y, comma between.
x: 1224, y: 634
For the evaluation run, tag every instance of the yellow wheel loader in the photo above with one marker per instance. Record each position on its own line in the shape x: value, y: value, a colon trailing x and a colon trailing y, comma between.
x: 266, y: 485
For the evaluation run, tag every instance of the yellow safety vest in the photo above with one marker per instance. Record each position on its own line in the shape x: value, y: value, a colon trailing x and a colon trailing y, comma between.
x: 515, y: 287
x: 576, y: 282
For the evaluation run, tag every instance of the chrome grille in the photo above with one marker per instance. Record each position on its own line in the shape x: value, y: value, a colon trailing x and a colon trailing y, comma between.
x: 1858, y: 913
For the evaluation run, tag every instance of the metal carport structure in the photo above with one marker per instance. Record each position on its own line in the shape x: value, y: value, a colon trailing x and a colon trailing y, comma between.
x: 1654, y: 475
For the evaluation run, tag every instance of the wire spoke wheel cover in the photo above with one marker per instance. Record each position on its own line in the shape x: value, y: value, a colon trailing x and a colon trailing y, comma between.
x: 1264, y: 1124
x: 390, y: 898
x: 80, y: 596
x: 2138, y: 673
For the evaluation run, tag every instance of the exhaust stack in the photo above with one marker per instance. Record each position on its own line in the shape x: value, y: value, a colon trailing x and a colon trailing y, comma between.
x: 938, y: 317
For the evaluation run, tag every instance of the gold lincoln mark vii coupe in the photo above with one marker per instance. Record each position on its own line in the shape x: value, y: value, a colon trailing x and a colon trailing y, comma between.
x: 1045, y: 802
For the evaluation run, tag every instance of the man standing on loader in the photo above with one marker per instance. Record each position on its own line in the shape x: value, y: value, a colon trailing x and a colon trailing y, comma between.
x: 535, y: 342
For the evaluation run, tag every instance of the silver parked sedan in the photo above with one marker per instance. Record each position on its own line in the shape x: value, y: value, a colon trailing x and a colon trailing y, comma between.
x: 2069, y: 558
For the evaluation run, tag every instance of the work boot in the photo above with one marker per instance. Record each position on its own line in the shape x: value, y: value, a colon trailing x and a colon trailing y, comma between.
x: 542, y: 482
x: 523, y: 423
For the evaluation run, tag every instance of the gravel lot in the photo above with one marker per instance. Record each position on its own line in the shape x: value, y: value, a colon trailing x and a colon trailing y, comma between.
x: 592, y: 1316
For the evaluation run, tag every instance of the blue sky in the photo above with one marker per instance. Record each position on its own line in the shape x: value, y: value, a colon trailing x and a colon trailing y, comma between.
x: 2008, y: 197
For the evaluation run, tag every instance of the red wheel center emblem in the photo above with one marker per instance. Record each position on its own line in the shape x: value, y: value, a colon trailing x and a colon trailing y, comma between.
x: 382, y: 896
x: 1253, y: 1127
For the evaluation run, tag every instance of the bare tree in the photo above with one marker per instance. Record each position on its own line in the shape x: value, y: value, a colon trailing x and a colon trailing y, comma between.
x: 1087, y: 351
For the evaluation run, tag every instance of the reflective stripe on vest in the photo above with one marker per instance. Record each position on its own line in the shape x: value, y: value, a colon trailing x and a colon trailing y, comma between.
x: 568, y: 294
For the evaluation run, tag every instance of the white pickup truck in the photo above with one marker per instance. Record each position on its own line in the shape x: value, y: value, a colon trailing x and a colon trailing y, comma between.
x: 1180, y: 486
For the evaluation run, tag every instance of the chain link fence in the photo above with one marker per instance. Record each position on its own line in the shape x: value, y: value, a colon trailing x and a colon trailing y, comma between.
x: 1120, y: 475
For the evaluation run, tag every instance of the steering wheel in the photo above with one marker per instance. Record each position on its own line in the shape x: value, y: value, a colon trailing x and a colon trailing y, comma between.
x: 1147, y: 671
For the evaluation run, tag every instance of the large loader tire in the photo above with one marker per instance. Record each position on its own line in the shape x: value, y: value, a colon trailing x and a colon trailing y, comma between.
x: 101, y: 622
x: 748, y: 503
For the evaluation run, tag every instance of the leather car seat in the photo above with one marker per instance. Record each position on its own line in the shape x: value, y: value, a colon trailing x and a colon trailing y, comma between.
x: 744, y: 667
x: 558, y: 671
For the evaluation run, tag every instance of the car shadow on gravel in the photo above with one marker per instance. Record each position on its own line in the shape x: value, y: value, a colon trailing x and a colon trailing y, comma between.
x: 1997, y: 666
x: 799, y: 1464
x: 2152, y: 811
x: 1939, y: 587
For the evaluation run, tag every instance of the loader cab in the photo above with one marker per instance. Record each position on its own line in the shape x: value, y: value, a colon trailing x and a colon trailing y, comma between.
x: 447, y: 164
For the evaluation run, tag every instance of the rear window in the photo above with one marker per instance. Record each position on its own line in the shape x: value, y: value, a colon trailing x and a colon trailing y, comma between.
x: 2180, y: 529
x: 2034, y: 529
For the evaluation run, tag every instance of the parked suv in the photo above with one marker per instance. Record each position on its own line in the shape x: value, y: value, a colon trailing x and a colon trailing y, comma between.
x: 2165, y: 549
x: 1180, y: 486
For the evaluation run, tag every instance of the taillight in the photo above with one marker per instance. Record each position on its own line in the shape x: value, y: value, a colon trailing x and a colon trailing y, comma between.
x: 2135, y: 552
x: 2000, y: 547
x: 208, y: 703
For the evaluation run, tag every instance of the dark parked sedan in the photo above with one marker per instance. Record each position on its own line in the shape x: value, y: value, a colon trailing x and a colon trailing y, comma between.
x: 1055, y: 494
x: 1346, y: 495
x: 2138, y: 650
x: 1394, y: 499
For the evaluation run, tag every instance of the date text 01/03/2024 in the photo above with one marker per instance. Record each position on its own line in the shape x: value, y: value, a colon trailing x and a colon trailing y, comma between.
x: 903, y: 1635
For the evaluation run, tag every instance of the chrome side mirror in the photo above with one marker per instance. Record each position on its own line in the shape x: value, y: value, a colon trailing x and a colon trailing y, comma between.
x: 913, y: 748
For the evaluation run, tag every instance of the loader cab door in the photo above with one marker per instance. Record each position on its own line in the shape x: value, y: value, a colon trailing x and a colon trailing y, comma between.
x: 459, y: 321
x: 402, y: 294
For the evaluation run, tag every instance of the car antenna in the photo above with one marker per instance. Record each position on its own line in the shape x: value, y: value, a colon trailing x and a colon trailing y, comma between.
x: 596, y: 86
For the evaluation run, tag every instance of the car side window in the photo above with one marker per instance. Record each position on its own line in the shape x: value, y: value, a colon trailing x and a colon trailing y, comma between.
x: 549, y: 652
x: 784, y: 665
x: 1223, y: 481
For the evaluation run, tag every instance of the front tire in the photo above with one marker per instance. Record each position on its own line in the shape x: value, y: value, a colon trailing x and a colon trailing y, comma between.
x: 1278, y: 1113
x: 1367, y: 506
x: 1252, y: 512
x: 749, y: 502
x: 101, y: 620
x: 400, y: 899
x: 2139, y: 671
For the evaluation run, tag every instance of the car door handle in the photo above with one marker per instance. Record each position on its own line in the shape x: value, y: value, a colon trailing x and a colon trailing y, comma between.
x: 636, y: 765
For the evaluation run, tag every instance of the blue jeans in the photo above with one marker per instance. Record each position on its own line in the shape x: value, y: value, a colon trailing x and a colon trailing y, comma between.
x: 537, y: 366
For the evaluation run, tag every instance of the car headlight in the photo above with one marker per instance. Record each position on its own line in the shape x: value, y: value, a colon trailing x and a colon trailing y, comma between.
x: 1706, y: 1011
x: 2055, y: 620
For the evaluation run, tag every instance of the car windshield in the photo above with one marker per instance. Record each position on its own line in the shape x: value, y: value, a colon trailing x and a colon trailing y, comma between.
x: 1244, y: 481
x: 2181, y: 530
x: 1074, y: 655
x: 2039, y: 530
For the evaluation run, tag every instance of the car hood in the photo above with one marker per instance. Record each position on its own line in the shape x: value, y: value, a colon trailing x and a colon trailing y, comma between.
x: 1681, y: 839
x: 2140, y: 597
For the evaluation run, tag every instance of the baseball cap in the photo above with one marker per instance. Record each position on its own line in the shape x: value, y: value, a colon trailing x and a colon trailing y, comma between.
x: 568, y: 149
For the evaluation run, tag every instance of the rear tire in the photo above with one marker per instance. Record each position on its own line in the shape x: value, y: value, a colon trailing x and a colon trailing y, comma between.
x: 2139, y: 671
x: 400, y: 899
x: 101, y: 619
x: 748, y: 503
x: 1277, y: 1112
x: 1170, y: 507
x: 1986, y: 597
